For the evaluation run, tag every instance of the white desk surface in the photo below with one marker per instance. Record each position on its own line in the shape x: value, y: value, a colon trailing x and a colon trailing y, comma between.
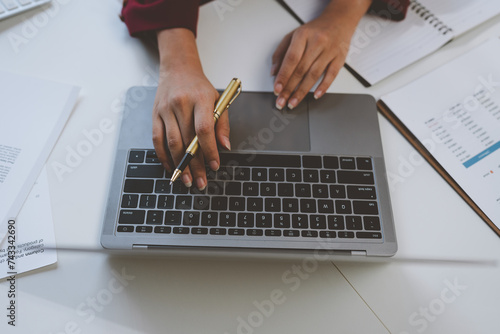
x: 84, y: 43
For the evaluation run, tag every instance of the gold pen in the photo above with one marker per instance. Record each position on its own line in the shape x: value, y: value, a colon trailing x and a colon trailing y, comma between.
x: 227, y: 97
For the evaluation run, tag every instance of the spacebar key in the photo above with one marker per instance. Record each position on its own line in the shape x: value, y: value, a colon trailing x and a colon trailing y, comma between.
x: 355, y: 177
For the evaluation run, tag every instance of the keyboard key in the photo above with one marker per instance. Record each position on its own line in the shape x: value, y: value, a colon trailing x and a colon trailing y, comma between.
x: 250, y: 189
x: 163, y: 229
x: 290, y: 205
x: 191, y: 218
x: 355, y: 177
x: 163, y: 187
x: 199, y: 230
x: 233, y: 188
x: 259, y: 174
x: 327, y: 234
x: 245, y: 220
x: 343, y: 206
x: 131, y: 217
x: 369, y: 235
x: 345, y: 234
x: 325, y: 206
x: 136, y: 157
x: 151, y: 157
x: 267, y: 189
x: 201, y: 203
x: 353, y: 223
x: 371, y: 223
x: 181, y: 230
x: 215, y: 187
x: 225, y: 173
x: 147, y: 201
x: 302, y: 190
x: 293, y: 175
x: 138, y: 186
x: 219, y: 203
x: 9, y: 4
x: 331, y: 162
x: 309, y: 234
x: 347, y: 163
x: 195, y: 191
x: 242, y: 174
x: 285, y: 190
x: 273, y: 233
x: 255, y: 204
x: 148, y: 171
x: 154, y: 217
x: 335, y: 222
x: 365, y: 207
x: 236, y: 231
x: 317, y: 222
x: 308, y: 205
x: 364, y: 163
x: 277, y: 175
x: 144, y: 229
x: 309, y: 161
x: 130, y: 201
x: 254, y: 232
x: 123, y: 228
x: 179, y: 188
x: 264, y: 220
x: 300, y: 221
x: 291, y: 233
x: 337, y: 191
x: 227, y: 219
x: 237, y: 203
x: 281, y: 220
x: 361, y: 192
x: 310, y: 175
x: 320, y: 191
x: 183, y: 202
x: 165, y: 202
x: 327, y: 176
x: 209, y: 219
x: 218, y: 231
x: 256, y: 160
x: 273, y: 204
x: 173, y: 218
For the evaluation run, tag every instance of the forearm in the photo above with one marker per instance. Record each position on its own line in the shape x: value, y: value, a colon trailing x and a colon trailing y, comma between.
x: 178, y: 50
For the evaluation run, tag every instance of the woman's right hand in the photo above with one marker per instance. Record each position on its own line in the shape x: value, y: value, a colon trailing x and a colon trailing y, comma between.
x: 183, y: 108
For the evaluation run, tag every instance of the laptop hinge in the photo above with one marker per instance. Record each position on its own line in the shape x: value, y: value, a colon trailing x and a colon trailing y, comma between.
x: 139, y: 247
x: 359, y: 253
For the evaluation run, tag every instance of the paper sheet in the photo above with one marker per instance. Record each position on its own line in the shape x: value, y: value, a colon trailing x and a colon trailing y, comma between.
x: 33, y: 113
x: 34, y: 230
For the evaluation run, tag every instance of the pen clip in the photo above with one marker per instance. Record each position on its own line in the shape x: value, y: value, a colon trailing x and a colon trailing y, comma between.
x: 235, y: 96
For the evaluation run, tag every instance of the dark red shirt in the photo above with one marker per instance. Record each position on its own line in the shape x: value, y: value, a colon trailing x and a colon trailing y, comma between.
x: 142, y: 16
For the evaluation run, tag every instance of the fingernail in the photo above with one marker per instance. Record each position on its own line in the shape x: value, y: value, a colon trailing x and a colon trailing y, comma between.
x: 318, y: 94
x: 226, y: 143
x: 292, y: 103
x: 277, y: 89
x: 200, y: 183
x: 273, y: 69
x: 186, y: 180
x: 213, y: 165
x: 280, y: 103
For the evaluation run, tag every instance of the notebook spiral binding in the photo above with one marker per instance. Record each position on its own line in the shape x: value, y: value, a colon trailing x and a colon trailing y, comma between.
x: 428, y: 16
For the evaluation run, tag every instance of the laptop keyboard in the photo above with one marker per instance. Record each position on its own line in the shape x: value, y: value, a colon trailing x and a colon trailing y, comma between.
x: 12, y: 7
x: 258, y: 195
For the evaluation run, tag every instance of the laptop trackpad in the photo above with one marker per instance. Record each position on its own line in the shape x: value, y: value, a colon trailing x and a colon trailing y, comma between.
x: 257, y: 125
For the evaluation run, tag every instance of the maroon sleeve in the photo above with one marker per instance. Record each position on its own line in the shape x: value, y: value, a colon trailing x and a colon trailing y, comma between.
x: 142, y: 16
x: 392, y: 9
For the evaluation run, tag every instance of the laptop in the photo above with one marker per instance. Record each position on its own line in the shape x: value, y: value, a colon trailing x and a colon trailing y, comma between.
x: 299, y: 182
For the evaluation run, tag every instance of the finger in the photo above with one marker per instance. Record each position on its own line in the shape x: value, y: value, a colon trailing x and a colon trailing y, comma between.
x: 205, y: 130
x: 310, y: 56
x: 331, y: 73
x: 160, y: 145
x: 311, y: 77
x: 292, y: 58
x: 279, y: 54
x: 222, y: 131
x: 176, y: 146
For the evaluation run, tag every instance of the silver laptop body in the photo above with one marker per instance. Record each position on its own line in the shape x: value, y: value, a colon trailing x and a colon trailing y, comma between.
x: 336, y: 137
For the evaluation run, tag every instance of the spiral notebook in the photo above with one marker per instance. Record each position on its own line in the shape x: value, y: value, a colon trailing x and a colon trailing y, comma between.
x: 380, y: 47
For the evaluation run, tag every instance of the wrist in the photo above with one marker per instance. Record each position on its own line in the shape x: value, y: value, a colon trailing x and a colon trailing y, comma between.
x: 177, y: 50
